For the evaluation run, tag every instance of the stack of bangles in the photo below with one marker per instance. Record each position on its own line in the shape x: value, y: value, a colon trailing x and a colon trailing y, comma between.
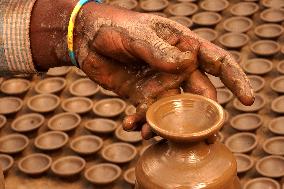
x: 71, y: 25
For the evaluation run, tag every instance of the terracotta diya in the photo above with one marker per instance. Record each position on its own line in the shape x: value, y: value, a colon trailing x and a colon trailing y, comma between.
x: 256, y: 82
x: 241, y: 142
x: 129, y: 176
x: 150, y: 5
x: 236, y: 55
x: 51, y: 140
x: 277, y: 105
x: 109, y: 107
x: 265, y: 48
x: 258, y: 104
x: 185, y: 21
x: 246, y: 122
x: 238, y: 24
x: 79, y: 72
x: 13, y: 143
x: 215, y: 6
x: 15, y: 86
x: 280, y: 66
x: 27, y: 122
x: 257, y: 66
x: 272, y: 15
x: 274, y: 146
x: 50, y: 85
x: 84, y: 87
x: 206, y: 18
x: 10, y: 105
x: 3, y: 121
x: 271, y: 166
x: 35, y: 164
x: 103, y: 174
x: 216, y: 81
x: 43, y: 103
x: 277, y: 84
x: 272, y: 3
x: 107, y: 92
x: 68, y: 166
x: 244, y: 9
x: 87, y: 144
x: 127, y: 4
x: 130, y: 110
x: 182, y: 9
x: 224, y: 96
x: 79, y: 105
x: 262, y: 182
x: 206, y: 33
x: 276, y: 126
x: 119, y: 152
x: 125, y: 136
x: 244, y: 163
x: 101, y: 125
x: 58, y: 71
x: 65, y: 122
x: 268, y: 31
x: 6, y: 162
x: 234, y: 40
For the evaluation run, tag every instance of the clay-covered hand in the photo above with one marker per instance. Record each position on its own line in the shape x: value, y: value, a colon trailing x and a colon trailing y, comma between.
x: 141, y: 57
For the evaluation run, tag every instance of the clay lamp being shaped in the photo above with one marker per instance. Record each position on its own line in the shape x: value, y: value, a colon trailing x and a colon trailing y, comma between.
x: 265, y: 48
x: 129, y: 176
x: 238, y: 24
x: 43, y: 103
x: 130, y: 137
x: 244, y: 9
x: 79, y: 105
x: 234, y: 40
x: 50, y: 85
x: 3, y: 121
x: 65, y: 122
x: 86, y: 145
x: 10, y: 105
x: 256, y: 82
x: 257, y: 66
x: 274, y: 146
x: 101, y: 126
x: 268, y: 31
x: 68, y: 166
x: 13, y: 143
x: 110, y: 107
x: 246, y: 122
x: 276, y: 126
x: 127, y: 4
x: 186, y: 121
x: 206, y: 18
x: 150, y: 5
x: 262, y: 182
x: 84, y: 87
x: 214, y: 6
x: 272, y: 3
x: 185, y: 21
x: 280, y: 66
x: 6, y: 162
x: 277, y: 105
x: 277, y: 84
x: 271, y: 166
x: 258, y: 104
x: 52, y: 140
x: 243, y: 142
x: 183, y: 9
x: 15, y: 86
x: 27, y: 122
x: 244, y: 163
x: 272, y: 15
x: 58, y: 71
x: 206, y: 33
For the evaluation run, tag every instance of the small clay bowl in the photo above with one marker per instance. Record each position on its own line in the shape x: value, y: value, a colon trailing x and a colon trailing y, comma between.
x: 262, y: 183
x: 246, y: 122
x: 27, y: 122
x: 79, y: 105
x: 109, y: 107
x: 13, y: 143
x: 238, y: 24
x: 244, y: 9
x: 206, y: 18
x: 15, y: 86
x: 271, y: 166
x: 215, y: 6
x: 3, y: 121
x: 244, y: 163
x: 272, y: 3
x: 127, y: 4
x: 6, y: 162
x: 150, y: 5
x: 182, y: 9
x: 216, y: 81
x: 119, y: 152
x: 65, y: 122
x: 277, y: 84
x: 87, y: 144
x: 101, y: 126
x: 107, y: 92
x: 258, y: 104
x: 224, y: 96
x: 277, y: 105
x: 272, y: 15
x: 35, y: 164
x: 10, y: 105
x: 80, y: 73
x: 256, y: 82
x: 241, y: 142
x: 236, y: 55
x: 51, y: 140
x: 130, y: 137
x: 206, y: 33
x: 185, y: 21
x: 103, y: 174
x: 280, y: 66
x: 265, y: 48
x: 68, y: 166
x: 274, y: 146
x: 130, y: 110
x: 276, y: 126
x: 84, y: 87
x: 129, y: 176
x: 234, y: 40
x: 43, y: 103
x: 58, y: 71
x: 268, y: 31
x: 257, y: 66
x: 50, y: 85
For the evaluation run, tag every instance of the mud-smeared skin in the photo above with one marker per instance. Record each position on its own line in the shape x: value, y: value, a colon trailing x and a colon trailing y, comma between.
x: 139, y: 56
